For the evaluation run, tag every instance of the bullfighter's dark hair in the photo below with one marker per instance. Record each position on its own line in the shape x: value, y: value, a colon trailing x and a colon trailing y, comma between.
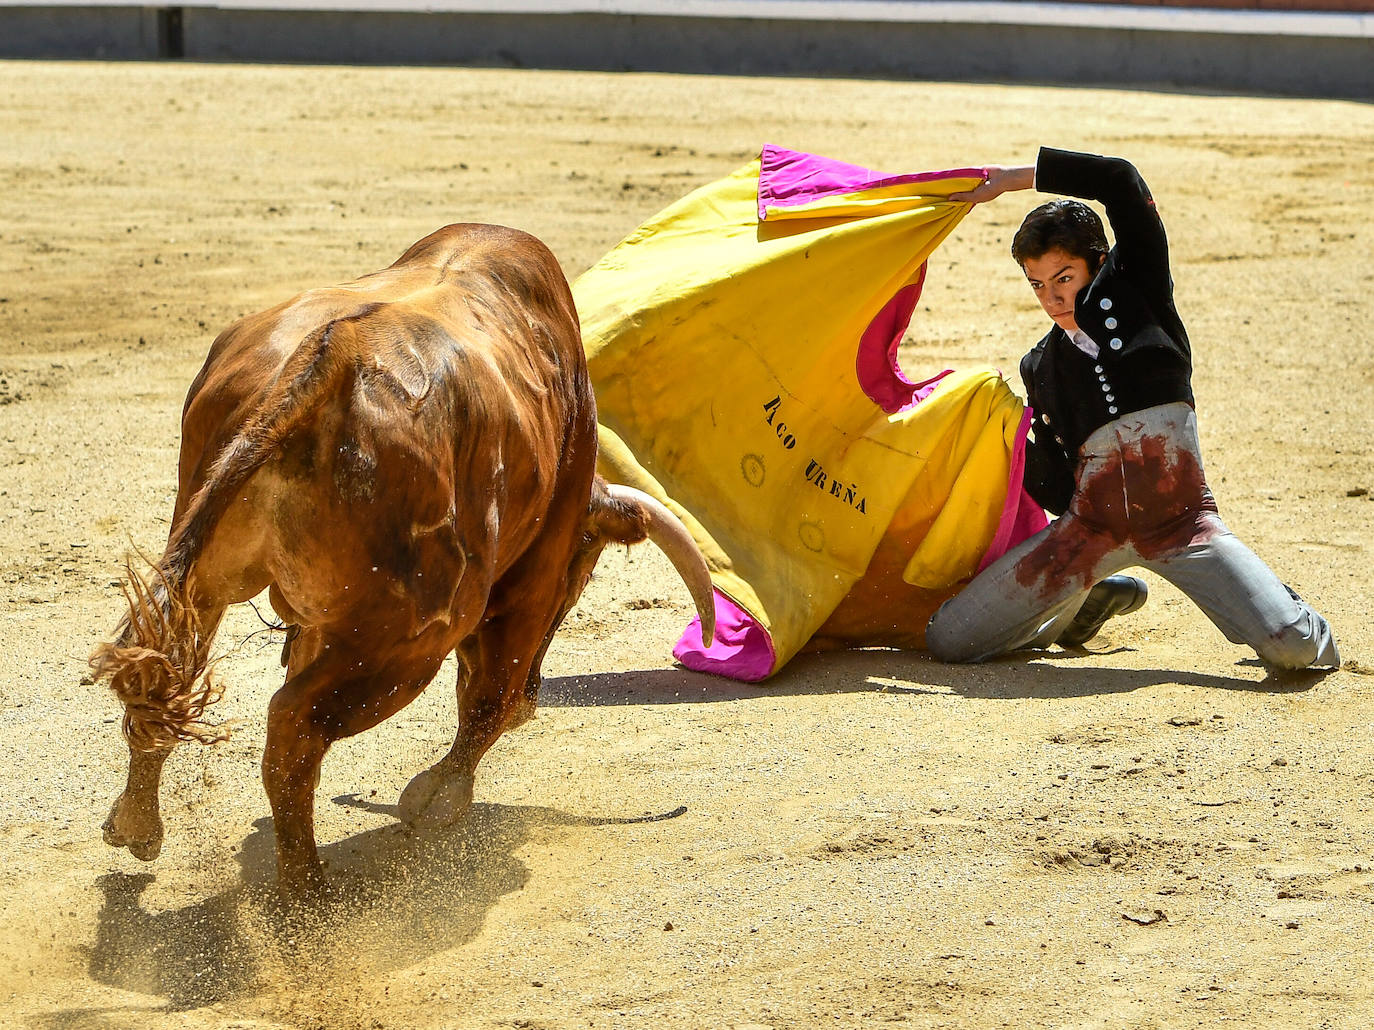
x: 1067, y: 225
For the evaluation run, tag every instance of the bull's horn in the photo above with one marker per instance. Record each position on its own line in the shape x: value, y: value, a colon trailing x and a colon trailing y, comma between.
x: 667, y: 531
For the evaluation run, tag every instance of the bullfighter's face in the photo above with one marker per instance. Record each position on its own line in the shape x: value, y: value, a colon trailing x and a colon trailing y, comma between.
x: 1055, y: 277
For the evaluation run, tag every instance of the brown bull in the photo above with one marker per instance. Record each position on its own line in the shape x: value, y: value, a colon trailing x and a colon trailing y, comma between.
x: 406, y: 463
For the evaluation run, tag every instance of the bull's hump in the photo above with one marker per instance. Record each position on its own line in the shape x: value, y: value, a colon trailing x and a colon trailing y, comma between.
x: 475, y: 241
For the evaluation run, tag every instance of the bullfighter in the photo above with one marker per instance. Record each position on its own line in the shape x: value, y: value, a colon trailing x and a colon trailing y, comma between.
x: 1115, y: 449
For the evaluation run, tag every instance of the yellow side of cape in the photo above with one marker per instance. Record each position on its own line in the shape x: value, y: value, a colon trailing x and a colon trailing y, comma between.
x: 722, y: 349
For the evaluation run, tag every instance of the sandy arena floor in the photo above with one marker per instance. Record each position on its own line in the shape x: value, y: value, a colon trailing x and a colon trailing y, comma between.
x: 1152, y: 834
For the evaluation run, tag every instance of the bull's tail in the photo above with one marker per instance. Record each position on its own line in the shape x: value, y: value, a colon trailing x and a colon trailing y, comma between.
x: 158, y: 664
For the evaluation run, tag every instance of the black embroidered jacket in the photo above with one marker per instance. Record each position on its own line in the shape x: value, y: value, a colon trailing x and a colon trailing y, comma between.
x: 1128, y: 310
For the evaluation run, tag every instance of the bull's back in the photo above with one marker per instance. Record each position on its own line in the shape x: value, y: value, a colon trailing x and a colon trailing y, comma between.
x: 399, y: 409
x: 416, y: 326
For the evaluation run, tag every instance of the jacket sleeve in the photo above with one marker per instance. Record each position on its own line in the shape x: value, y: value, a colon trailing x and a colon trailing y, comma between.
x: 1141, y: 244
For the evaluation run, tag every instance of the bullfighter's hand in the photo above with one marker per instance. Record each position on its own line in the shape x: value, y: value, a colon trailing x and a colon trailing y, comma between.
x: 996, y: 181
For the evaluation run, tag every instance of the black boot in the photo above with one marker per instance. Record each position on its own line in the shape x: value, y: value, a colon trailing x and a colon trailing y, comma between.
x: 1115, y: 595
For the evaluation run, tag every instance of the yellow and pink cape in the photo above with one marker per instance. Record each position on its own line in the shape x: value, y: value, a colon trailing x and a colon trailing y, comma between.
x: 743, y: 345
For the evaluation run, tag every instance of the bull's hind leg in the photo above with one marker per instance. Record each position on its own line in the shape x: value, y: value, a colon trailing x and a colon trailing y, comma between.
x: 157, y: 669
x: 134, y: 821
x: 340, y: 693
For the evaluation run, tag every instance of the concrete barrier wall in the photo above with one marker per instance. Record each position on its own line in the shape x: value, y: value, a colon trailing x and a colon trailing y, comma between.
x: 115, y: 33
x: 1328, y: 64
x: 1248, y: 5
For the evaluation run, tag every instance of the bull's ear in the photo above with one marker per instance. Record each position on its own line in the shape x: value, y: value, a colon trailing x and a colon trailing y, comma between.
x: 616, y: 514
x: 667, y: 531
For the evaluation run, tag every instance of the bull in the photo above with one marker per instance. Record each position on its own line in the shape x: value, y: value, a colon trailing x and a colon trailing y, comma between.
x: 406, y: 463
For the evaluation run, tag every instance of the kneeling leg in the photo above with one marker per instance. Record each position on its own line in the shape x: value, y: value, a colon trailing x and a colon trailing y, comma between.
x: 1024, y: 599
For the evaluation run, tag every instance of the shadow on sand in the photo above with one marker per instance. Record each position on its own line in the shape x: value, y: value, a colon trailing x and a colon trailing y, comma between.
x: 1046, y: 675
x: 396, y: 897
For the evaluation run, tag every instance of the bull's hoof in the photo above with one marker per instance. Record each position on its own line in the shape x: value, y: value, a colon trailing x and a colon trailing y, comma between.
x: 142, y: 837
x: 436, y: 799
x: 302, y: 885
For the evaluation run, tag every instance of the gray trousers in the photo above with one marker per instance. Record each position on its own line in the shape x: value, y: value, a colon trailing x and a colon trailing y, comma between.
x: 1140, y: 500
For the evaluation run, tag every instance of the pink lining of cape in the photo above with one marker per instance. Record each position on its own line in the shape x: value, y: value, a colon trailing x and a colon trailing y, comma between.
x: 876, y: 365
x: 788, y: 178
x: 741, y: 650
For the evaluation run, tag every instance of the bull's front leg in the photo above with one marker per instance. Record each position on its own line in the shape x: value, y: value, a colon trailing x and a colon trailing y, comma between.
x: 134, y: 821
x: 439, y: 796
x: 496, y: 663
